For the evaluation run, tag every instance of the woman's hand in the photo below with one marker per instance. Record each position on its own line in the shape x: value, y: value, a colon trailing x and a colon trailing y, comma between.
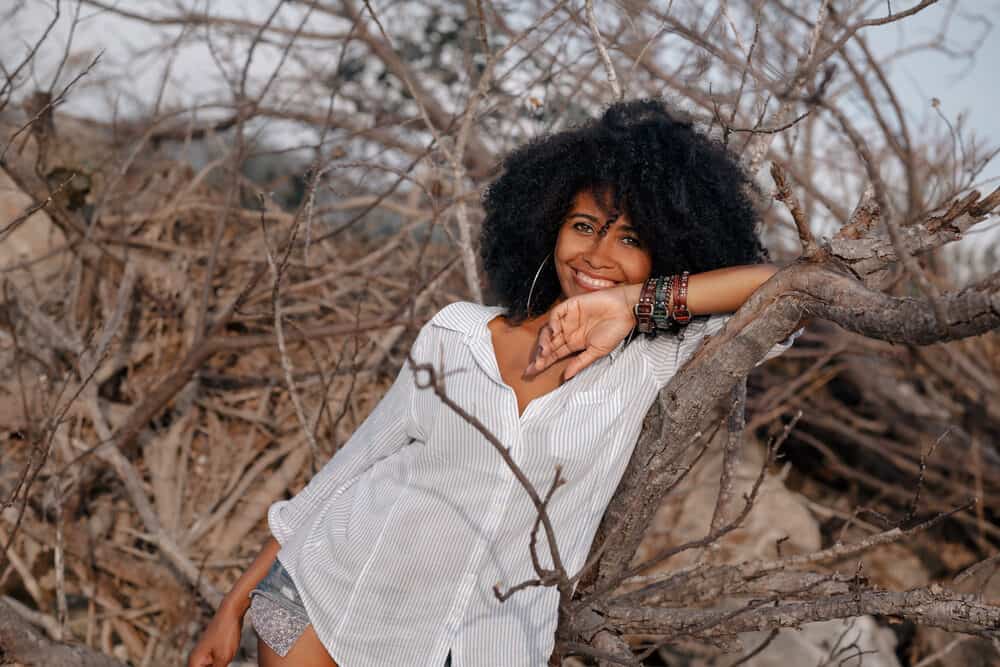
x: 592, y: 324
x: 219, y: 642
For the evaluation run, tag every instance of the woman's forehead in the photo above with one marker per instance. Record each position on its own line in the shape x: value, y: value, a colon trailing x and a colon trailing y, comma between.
x: 599, y: 206
x: 600, y: 199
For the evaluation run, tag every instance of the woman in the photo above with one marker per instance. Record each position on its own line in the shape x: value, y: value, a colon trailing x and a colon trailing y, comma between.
x: 390, y: 554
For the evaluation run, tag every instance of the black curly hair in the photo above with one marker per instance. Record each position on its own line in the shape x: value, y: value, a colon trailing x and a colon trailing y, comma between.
x: 687, y: 196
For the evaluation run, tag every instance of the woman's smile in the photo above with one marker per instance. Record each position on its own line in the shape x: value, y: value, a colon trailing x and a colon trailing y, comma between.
x: 589, y: 282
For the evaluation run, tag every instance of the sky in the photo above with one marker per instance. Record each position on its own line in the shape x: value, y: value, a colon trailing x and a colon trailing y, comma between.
x: 962, y: 87
x: 967, y: 91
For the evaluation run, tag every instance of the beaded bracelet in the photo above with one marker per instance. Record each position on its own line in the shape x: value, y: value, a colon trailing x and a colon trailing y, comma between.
x: 662, y: 304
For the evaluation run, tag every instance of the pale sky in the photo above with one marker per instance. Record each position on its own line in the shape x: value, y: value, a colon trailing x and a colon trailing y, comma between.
x: 964, y: 88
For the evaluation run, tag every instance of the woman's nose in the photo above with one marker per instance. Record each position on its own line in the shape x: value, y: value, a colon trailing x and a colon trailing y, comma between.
x: 598, y: 255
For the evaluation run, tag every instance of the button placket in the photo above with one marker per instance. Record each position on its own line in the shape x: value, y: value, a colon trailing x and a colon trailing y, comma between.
x: 500, y: 500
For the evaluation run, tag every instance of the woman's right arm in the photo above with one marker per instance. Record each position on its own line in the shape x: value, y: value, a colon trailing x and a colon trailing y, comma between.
x: 221, y: 638
x: 381, y: 434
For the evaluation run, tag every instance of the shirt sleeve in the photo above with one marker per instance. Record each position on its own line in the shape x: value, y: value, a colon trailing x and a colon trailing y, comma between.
x: 388, y: 428
x: 666, y: 354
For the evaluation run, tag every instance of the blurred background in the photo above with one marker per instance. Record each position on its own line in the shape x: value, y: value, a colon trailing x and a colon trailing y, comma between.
x: 222, y: 223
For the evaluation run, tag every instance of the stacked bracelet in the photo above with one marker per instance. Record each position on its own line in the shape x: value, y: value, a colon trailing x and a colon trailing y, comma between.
x: 662, y: 304
x: 644, y: 308
x: 680, y: 312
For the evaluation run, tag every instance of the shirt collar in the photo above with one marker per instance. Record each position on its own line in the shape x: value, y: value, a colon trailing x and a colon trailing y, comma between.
x: 467, y: 318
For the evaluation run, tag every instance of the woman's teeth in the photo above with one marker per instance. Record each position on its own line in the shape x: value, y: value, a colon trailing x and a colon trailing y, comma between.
x: 593, y: 282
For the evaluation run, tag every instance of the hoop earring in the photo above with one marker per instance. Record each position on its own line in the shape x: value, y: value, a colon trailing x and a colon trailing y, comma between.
x: 535, y: 280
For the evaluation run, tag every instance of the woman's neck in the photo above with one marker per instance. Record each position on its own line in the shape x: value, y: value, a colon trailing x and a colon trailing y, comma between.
x: 534, y: 324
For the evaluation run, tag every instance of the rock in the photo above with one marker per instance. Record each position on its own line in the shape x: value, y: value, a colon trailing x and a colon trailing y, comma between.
x: 952, y: 650
x: 852, y: 642
x: 779, y: 516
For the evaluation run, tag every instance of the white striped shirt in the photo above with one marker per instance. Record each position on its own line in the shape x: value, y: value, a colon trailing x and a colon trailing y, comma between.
x: 396, y: 544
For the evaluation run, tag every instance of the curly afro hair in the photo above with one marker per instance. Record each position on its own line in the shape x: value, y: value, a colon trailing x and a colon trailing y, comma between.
x: 691, y: 202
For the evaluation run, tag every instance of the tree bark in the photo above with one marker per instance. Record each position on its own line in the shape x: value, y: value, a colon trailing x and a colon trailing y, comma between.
x: 950, y: 611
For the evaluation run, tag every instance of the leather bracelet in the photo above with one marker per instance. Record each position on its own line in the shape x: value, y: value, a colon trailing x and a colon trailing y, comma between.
x: 644, y: 308
x: 681, y: 314
x: 670, y: 294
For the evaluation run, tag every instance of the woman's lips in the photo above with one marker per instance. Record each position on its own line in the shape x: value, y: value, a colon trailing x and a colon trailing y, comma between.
x: 591, y: 283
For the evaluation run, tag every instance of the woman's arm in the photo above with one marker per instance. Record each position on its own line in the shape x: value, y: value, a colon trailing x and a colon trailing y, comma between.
x: 221, y: 638
x: 594, y: 323
x: 719, y: 290
x: 237, y: 600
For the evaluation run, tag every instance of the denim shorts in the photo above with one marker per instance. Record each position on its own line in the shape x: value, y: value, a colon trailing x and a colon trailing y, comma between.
x: 277, y: 613
x: 276, y: 610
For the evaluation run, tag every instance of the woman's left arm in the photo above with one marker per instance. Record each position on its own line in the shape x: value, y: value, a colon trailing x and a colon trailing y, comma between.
x: 594, y: 323
x: 719, y: 290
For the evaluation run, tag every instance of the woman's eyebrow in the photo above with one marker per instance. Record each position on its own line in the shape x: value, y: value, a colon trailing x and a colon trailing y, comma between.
x: 577, y: 214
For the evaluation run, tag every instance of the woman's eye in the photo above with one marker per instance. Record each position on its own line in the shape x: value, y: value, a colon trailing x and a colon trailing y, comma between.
x: 631, y: 240
x: 582, y: 227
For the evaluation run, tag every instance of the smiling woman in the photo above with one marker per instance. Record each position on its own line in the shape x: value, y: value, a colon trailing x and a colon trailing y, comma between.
x: 688, y: 202
x: 596, y: 249
x: 393, y: 551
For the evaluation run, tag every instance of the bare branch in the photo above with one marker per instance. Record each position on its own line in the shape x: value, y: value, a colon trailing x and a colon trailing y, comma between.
x: 609, y: 68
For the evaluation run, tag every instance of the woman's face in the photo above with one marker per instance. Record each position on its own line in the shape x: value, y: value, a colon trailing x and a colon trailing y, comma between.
x: 592, y: 254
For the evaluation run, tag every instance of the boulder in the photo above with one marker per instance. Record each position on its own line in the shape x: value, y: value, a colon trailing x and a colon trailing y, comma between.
x: 779, y: 524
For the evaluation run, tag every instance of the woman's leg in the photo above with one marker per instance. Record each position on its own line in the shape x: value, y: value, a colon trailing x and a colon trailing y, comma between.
x: 307, y: 651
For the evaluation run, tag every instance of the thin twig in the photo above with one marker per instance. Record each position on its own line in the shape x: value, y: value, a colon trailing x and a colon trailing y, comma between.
x: 609, y: 68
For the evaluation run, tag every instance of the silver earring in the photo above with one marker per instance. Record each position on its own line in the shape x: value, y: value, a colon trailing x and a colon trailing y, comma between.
x: 535, y: 280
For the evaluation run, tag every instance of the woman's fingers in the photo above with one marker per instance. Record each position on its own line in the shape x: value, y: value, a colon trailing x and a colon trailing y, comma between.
x: 558, y: 345
x: 555, y: 320
x: 551, y: 337
x: 560, y: 337
x: 536, y: 359
x: 544, y: 360
x: 572, y: 318
x: 539, y: 359
x: 555, y: 341
x: 591, y: 324
x: 563, y: 321
x: 561, y: 351
x: 551, y: 348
